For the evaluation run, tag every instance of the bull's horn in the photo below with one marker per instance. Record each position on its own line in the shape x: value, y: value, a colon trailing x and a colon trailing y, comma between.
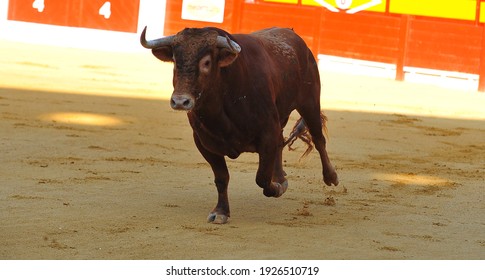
x: 225, y: 42
x: 165, y: 41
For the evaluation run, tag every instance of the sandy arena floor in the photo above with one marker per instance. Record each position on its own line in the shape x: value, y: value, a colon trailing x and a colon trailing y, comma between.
x: 95, y: 165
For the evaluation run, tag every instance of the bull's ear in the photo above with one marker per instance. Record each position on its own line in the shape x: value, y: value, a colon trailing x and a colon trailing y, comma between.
x: 226, y: 57
x: 163, y: 53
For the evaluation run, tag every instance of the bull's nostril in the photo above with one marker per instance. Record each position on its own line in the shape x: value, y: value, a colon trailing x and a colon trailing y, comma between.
x: 181, y: 102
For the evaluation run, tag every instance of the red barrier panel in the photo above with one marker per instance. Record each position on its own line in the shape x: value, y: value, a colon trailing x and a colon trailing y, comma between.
x: 305, y: 20
x: 444, y: 45
x: 116, y: 15
x: 366, y: 36
x: 48, y: 12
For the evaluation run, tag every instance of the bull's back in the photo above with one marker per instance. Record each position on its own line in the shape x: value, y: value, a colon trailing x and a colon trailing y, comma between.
x: 289, y: 53
x: 291, y: 65
x: 279, y: 42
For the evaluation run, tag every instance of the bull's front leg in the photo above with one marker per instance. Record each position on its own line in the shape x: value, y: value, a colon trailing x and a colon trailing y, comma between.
x: 270, y: 175
x: 221, y: 213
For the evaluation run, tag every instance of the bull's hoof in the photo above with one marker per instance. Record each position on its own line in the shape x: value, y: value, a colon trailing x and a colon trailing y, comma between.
x: 216, y: 218
x: 331, y: 178
x: 282, y: 188
x: 277, y: 189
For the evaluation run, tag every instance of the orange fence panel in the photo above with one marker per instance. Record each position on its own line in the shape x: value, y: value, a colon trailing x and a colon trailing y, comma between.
x: 450, y: 46
x: 366, y: 36
x: 304, y: 20
x: 116, y: 15
x: 55, y: 12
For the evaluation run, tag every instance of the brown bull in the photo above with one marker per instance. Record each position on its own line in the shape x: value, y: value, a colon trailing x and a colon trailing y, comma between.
x: 238, y: 91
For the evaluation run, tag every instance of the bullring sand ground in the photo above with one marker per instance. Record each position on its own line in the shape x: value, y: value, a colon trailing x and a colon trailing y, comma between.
x: 95, y: 165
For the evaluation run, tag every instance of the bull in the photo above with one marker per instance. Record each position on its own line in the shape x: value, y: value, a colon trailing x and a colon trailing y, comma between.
x: 238, y: 91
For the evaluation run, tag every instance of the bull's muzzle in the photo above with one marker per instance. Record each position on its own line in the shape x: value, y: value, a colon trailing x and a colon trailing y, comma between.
x: 182, y: 102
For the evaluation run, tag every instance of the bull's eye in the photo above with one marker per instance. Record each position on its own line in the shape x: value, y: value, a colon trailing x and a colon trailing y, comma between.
x: 205, y: 64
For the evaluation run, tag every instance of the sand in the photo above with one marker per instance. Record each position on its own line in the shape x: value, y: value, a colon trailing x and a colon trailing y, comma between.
x: 95, y: 165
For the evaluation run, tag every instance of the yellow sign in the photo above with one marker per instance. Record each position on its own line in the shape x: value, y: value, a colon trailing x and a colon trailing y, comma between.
x: 482, y: 12
x: 457, y: 9
x: 454, y: 9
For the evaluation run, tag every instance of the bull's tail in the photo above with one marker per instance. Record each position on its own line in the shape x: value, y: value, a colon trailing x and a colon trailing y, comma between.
x: 300, y: 131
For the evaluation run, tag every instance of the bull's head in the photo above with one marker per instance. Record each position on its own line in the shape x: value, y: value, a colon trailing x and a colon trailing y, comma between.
x: 198, y: 56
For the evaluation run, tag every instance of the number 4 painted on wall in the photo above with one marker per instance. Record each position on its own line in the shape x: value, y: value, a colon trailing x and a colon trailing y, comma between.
x: 39, y: 5
x: 105, y: 10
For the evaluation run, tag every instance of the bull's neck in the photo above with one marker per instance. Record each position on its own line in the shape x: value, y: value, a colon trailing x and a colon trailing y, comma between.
x: 215, y: 105
x: 210, y: 104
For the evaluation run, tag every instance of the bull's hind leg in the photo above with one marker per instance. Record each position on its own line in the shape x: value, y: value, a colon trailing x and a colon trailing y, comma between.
x: 311, y: 115
x: 221, y: 213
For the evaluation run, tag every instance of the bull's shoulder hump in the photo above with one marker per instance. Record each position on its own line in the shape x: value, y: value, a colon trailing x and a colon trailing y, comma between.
x: 272, y: 30
x: 279, y: 41
x: 270, y: 35
x: 278, y: 36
